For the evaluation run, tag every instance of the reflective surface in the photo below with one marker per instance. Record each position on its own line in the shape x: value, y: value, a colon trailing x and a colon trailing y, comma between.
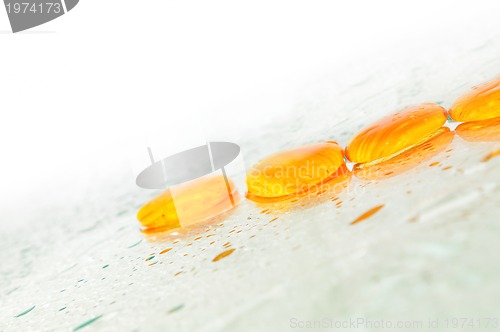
x: 480, y: 131
x: 80, y: 259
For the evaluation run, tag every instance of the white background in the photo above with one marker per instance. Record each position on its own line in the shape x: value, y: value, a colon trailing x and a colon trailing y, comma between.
x: 77, y: 90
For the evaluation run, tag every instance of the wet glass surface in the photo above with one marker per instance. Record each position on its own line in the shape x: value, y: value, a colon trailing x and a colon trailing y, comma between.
x: 418, y: 244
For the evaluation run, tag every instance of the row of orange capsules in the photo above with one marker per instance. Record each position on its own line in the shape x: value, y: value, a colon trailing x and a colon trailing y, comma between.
x: 387, y: 147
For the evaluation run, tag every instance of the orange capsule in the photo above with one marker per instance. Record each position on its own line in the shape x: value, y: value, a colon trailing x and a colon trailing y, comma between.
x: 396, y: 133
x: 480, y: 103
x: 294, y: 172
x: 407, y: 159
x: 192, y: 202
x: 480, y: 131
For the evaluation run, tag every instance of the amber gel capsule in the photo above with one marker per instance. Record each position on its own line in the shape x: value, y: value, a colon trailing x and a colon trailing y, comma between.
x: 407, y: 159
x: 480, y: 131
x: 189, y: 203
x: 480, y: 103
x: 294, y: 172
x: 396, y: 133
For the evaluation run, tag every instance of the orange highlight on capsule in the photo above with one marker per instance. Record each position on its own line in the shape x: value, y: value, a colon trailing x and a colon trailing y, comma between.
x: 480, y: 131
x: 189, y: 203
x: 480, y: 103
x: 396, y: 133
x: 407, y: 159
x: 295, y: 172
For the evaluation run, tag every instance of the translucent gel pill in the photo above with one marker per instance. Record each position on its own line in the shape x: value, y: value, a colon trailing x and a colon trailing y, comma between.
x: 480, y: 103
x: 294, y: 172
x: 480, y: 131
x: 189, y: 203
x: 317, y: 194
x: 406, y: 160
x: 394, y: 134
